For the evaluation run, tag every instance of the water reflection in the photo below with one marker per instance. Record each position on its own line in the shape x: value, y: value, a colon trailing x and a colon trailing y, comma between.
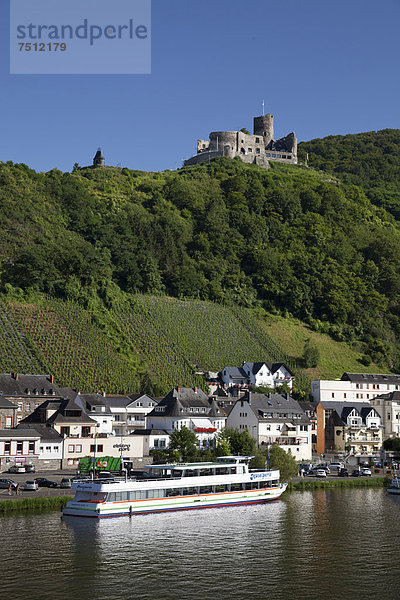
x: 328, y: 543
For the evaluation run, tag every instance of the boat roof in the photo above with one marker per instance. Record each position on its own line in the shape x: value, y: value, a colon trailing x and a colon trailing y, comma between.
x: 221, y: 460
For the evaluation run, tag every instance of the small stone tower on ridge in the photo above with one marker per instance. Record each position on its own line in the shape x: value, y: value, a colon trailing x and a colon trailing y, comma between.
x: 98, y: 160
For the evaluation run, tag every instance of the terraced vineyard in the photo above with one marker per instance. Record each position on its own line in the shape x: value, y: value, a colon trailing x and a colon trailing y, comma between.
x: 161, y: 342
x: 63, y: 340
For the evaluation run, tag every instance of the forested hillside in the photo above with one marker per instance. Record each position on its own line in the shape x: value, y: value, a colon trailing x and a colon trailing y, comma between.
x: 287, y: 241
x: 370, y: 160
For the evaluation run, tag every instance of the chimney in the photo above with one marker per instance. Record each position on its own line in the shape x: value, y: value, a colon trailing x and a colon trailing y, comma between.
x: 249, y: 397
x: 104, y: 394
x: 179, y: 390
x: 51, y: 378
x: 195, y: 389
x: 16, y: 376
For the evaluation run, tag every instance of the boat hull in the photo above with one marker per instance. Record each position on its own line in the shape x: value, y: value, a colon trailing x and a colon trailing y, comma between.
x: 120, y: 509
x: 395, y: 490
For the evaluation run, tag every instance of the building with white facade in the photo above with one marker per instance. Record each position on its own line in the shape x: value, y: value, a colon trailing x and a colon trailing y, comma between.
x: 257, y: 374
x: 353, y: 427
x: 388, y: 405
x: 129, y: 412
x: 354, y: 387
x: 17, y: 447
x: 273, y: 419
x: 190, y: 408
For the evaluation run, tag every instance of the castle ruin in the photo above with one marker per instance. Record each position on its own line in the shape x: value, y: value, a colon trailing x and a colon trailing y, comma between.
x: 259, y: 148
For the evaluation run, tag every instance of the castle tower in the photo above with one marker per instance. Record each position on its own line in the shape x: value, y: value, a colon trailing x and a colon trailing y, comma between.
x: 264, y: 126
x: 98, y: 160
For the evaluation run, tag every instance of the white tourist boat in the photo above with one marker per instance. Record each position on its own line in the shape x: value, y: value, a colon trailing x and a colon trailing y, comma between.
x: 227, y: 482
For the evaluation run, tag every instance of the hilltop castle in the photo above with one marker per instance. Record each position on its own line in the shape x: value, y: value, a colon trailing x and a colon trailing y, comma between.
x: 258, y: 148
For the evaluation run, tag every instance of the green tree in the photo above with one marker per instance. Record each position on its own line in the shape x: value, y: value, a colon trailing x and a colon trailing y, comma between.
x: 392, y: 444
x: 223, y: 445
x: 183, y: 444
x: 284, y: 461
x: 241, y: 442
x: 311, y: 355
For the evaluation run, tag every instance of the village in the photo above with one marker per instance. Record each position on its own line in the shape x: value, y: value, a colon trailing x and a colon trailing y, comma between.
x: 45, y: 427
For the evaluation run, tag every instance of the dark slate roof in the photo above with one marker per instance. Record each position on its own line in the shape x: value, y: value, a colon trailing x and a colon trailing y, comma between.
x: 344, y: 408
x: 46, y: 432
x: 371, y: 378
x: 20, y: 384
x: 308, y: 406
x: 255, y: 366
x: 94, y: 399
x: 118, y: 401
x: 60, y: 406
x: 4, y: 403
x: 235, y: 372
x: 146, y: 397
x: 395, y: 396
x: 215, y: 410
x: 277, y: 404
x: 179, y: 402
x: 273, y: 367
x: 18, y: 433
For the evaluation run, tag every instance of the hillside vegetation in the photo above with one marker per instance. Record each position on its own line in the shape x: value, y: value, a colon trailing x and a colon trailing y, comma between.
x: 154, y: 343
x: 101, y: 247
x: 370, y: 160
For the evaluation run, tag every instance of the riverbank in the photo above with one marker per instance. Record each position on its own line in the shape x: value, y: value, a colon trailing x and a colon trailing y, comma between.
x: 38, y: 503
x: 314, y: 484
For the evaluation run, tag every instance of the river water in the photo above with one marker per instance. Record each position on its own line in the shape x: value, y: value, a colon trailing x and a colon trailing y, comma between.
x: 324, y: 544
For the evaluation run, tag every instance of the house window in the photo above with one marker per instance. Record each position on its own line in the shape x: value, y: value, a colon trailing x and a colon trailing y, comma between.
x: 48, y: 448
x: 257, y: 150
x: 19, y: 448
x: 55, y: 448
x: 92, y: 448
x: 344, y: 395
x: 71, y: 448
x: 100, y: 448
x: 257, y: 140
x: 85, y: 431
x: 78, y: 448
x: 7, y: 448
x: 155, y: 443
x: 333, y: 394
x: 116, y: 417
x: 139, y: 403
x: 249, y: 150
x: 388, y: 416
x: 8, y: 422
x: 28, y: 406
x: 65, y: 431
x: 31, y: 447
x: 356, y: 395
x: 162, y: 443
x: 19, y: 407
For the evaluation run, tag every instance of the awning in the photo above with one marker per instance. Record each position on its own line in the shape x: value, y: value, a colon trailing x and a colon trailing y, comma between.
x: 203, y: 423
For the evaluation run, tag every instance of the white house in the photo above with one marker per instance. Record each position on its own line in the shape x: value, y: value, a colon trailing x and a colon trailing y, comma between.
x: 129, y: 412
x: 273, y: 419
x: 388, y: 405
x: 95, y: 406
x: 257, y: 374
x: 191, y: 408
x: 354, y: 387
x: 18, y: 446
x: 152, y: 439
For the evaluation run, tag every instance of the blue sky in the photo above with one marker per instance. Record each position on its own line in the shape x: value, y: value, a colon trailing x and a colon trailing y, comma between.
x: 323, y: 68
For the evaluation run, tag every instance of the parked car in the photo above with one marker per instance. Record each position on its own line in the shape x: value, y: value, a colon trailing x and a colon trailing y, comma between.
x: 30, y: 468
x: 320, y: 473
x: 343, y: 473
x: 104, y: 475
x: 43, y: 482
x: 5, y: 484
x: 65, y: 483
x: 356, y: 473
x: 366, y: 472
x: 336, y: 465
x: 17, y: 469
x: 31, y: 485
